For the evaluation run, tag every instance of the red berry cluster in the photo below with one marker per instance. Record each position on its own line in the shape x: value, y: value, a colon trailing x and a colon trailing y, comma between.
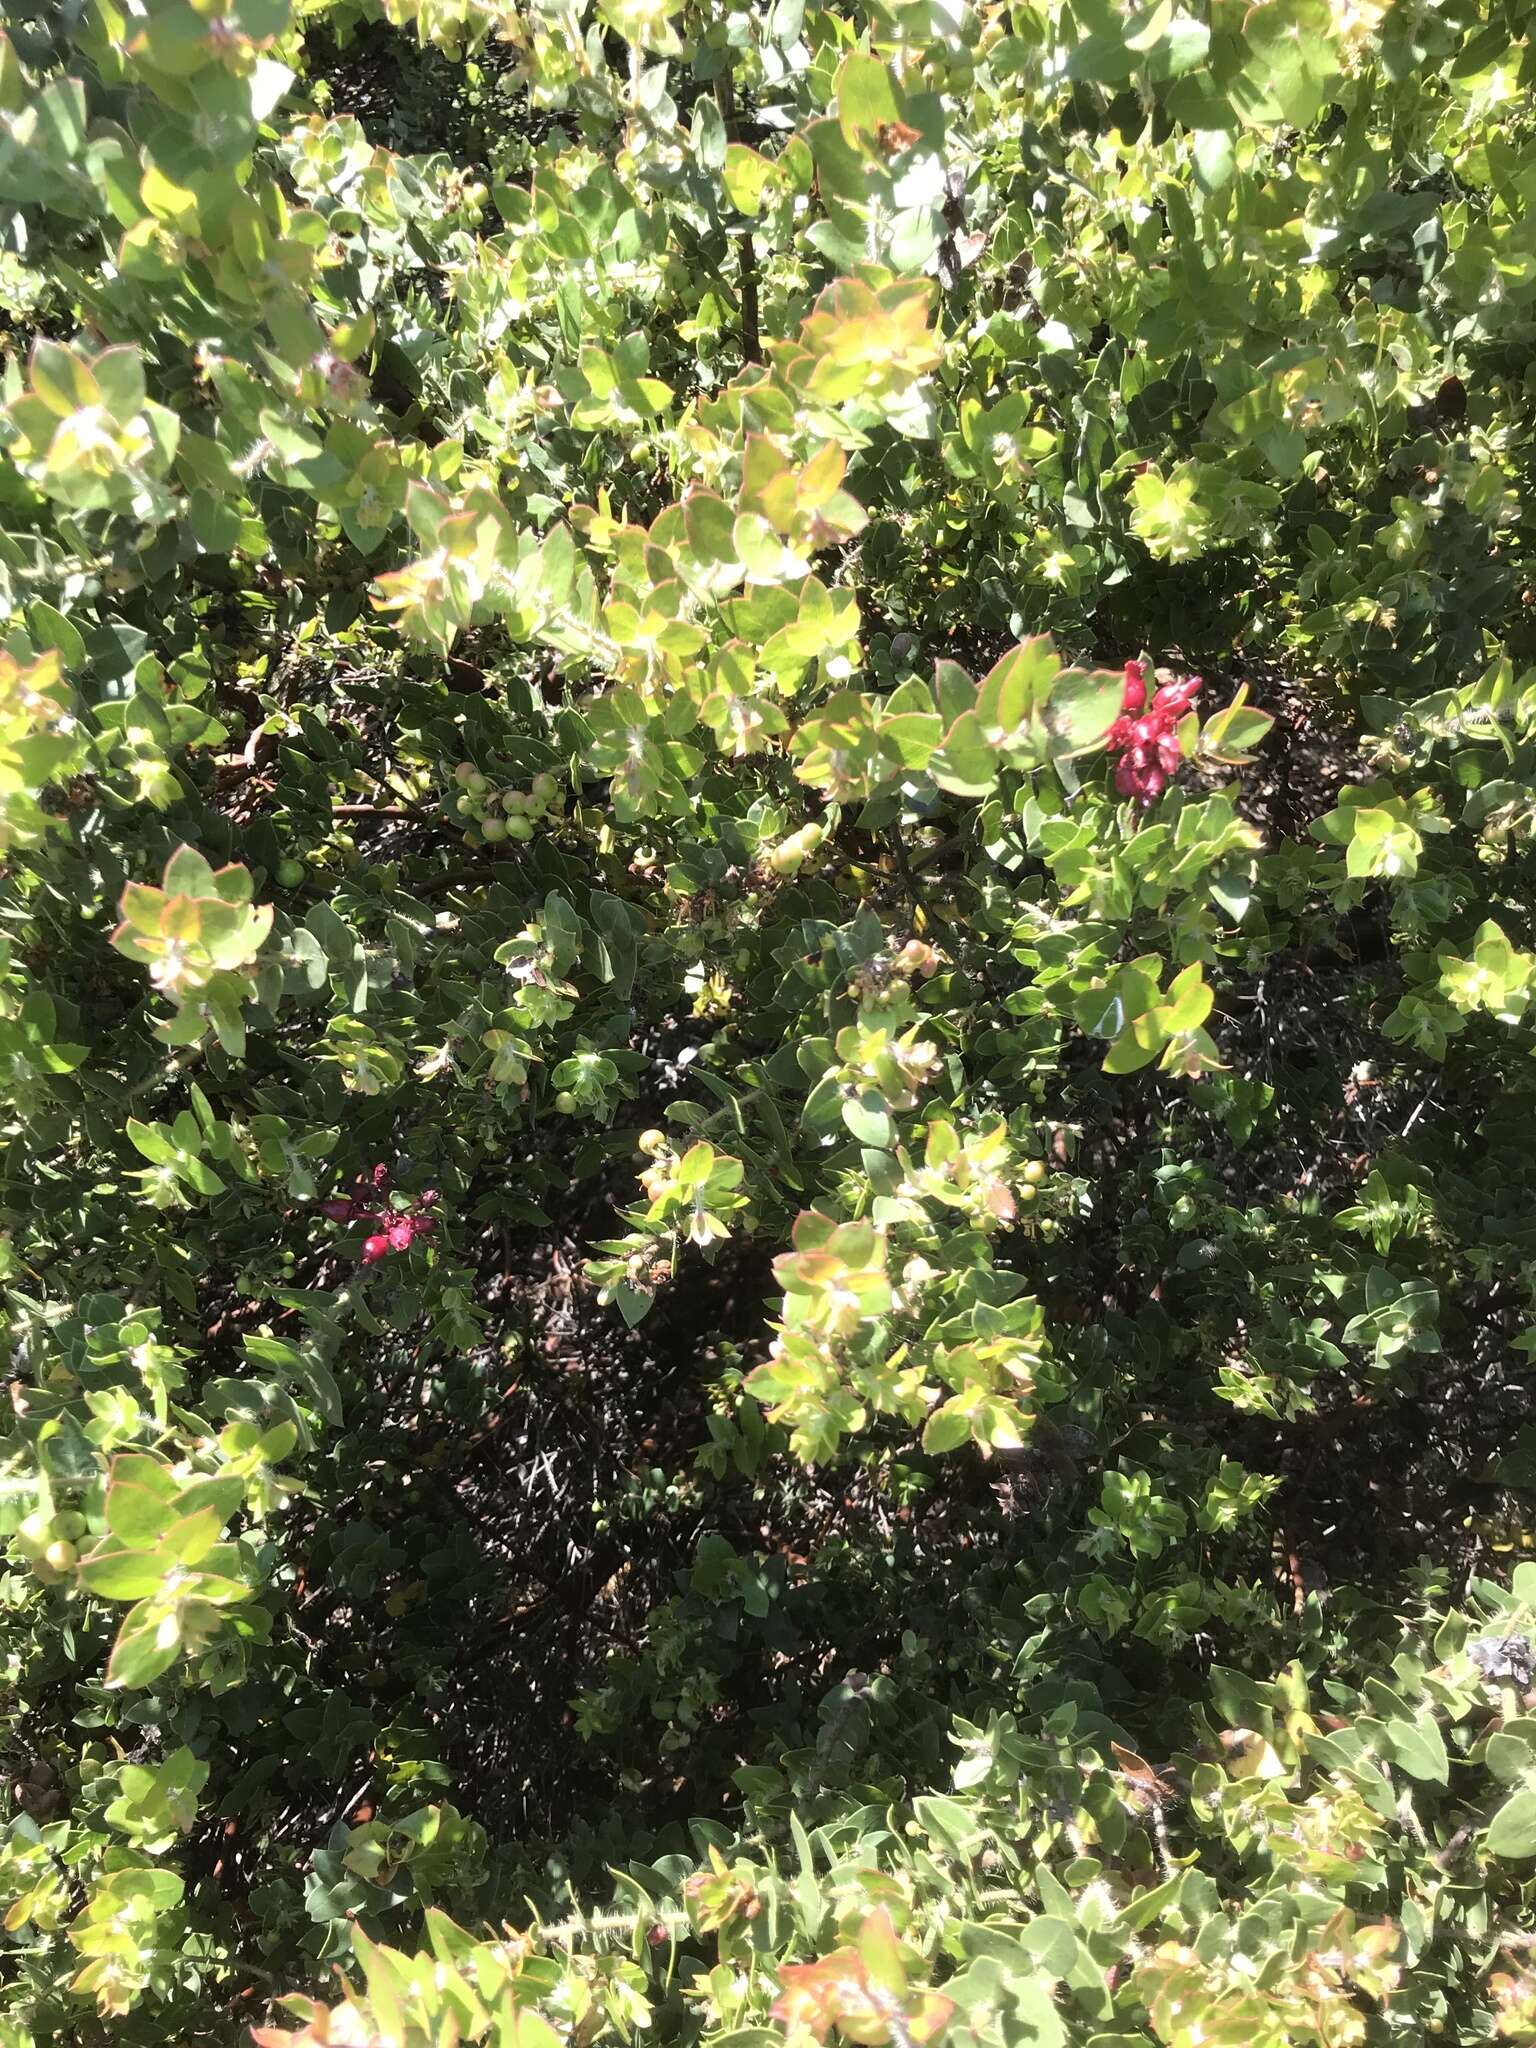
x: 395, y: 1230
x: 1144, y: 735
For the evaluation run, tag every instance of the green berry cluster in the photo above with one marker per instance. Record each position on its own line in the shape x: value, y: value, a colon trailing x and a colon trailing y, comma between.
x: 492, y: 815
x: 49, y: 1543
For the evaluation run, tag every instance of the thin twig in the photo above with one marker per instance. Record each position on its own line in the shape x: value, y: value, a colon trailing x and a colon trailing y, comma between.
x: 751, y: 337
x: 930, y: 915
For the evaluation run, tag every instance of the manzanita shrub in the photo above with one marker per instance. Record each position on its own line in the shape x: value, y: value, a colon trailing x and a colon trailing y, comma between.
x: 826, y: 714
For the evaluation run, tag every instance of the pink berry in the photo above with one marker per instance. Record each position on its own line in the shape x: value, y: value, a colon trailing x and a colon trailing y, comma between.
x: 1176, y: 698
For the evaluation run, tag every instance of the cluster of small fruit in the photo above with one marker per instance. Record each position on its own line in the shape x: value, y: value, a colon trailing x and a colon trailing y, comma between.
x: 791, y: 854
x: 656, y: 1147
x: 1145, y: 736
x: 394, y: 1229
x: 492, y: 815
x: 884, y: 979
x: 50, y: 1543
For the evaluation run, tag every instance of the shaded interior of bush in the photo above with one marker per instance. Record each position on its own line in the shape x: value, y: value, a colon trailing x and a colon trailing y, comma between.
x: 501, y: 1555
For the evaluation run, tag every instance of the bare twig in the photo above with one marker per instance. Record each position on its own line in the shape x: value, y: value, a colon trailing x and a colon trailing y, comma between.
x: 751, y: 338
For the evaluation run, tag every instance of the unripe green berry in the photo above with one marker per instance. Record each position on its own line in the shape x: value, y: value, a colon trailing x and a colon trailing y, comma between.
x: 290, y: 873
x: 493, y: 830
x: 519, y: 828
x: 61, y: 1555
x: 1034, y: 1171
x: 565, y: 1102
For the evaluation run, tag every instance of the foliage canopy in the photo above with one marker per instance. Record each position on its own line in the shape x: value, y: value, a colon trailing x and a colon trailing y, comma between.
x: 768, y: 1207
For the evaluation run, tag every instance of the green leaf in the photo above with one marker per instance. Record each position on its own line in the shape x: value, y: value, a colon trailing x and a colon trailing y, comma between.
x: 151, y: 1140
x: 1512, y: 1831
x: 49, y: 628
x: 747, y: 177
x: 1035, y: 2021
x: 117, y: 1573
x: 319, y: 1383
x: 710, y: 526
x: 964, y: 764
x: 120, y: 373
x: 953, y: 1824
x: 200, y: 1175
x: 1015, y: 687
x: 136, y: 1516
x: 1052, y: 1942
x: 947, y: 1428
x: 913, y: 239
x: 1233, y: 733
x: 188, y: 874
x: 1420, y: 1748
x: 634, y: 1305
x: 1511, y: 1751
x: 1292, y: 63
x: 143, y: 1650
x: 140, y: 1499
x: 866, y: 97
x: 693, y: 1169
x: 867, y: 1118
x: 1128, y: 1054
x: 189, y: 1538
x: 1214, y: 159
x: 1081, y: 708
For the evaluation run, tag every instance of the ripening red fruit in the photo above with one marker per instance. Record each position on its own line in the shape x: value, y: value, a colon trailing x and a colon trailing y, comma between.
x: 1145, y: 737
x: 375, y: 1248
x: 1176, y: 698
